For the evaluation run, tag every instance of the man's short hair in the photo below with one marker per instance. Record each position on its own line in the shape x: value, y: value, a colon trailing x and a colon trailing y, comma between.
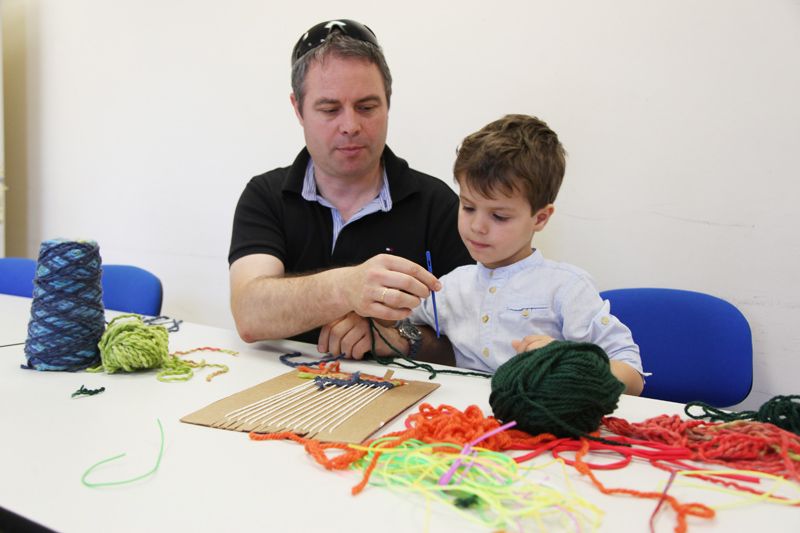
x: 515, y: 153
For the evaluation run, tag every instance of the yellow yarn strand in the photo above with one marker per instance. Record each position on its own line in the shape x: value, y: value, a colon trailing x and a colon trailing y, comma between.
x: 744, y: 498
x: 496, y: 492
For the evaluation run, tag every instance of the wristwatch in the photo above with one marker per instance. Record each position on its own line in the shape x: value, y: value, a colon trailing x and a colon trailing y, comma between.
x: 412, y: 333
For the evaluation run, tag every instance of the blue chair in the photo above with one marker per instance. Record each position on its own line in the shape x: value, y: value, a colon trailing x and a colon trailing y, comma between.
x: 16, y: 276
x: 697, y: 346
x: 125, y: 288
x: 132, y: 290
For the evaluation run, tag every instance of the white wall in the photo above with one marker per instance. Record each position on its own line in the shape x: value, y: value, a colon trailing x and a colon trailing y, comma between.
x: 141, y: 122
x: 2, y: 158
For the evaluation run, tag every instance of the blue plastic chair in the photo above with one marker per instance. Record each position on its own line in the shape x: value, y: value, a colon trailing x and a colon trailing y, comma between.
x: 125, y: 288
x: 697, y: 346
x: 16, y: 276
x: 132, y: 290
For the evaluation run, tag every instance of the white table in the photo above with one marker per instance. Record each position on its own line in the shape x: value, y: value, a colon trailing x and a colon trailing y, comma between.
x: 215, y: 480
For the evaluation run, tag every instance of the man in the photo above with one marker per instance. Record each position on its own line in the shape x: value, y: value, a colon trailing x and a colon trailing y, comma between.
x: 342, y: 233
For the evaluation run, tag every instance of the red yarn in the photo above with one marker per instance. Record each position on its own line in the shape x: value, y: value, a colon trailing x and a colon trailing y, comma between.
x: 739, y: 445
x: 682, y: 510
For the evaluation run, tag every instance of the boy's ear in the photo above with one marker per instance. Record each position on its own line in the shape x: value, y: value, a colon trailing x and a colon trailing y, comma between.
x: 542, y: 216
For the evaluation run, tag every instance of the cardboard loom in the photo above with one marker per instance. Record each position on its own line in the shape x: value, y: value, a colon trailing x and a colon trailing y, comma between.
x: 356, y: 429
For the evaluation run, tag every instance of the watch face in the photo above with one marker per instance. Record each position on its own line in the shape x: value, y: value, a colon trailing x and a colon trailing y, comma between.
x: 409, y: 331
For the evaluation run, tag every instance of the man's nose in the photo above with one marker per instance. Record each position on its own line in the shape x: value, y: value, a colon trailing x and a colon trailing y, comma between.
x: 349, y: 123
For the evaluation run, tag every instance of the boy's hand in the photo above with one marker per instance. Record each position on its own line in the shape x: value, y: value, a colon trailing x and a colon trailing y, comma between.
x: 531, y: 342
x: 348, y: 336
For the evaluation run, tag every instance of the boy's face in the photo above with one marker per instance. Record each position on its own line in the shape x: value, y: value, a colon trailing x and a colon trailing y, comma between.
x: 498, y: 231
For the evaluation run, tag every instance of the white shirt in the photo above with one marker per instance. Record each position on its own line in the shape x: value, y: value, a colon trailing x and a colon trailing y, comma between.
x: 482, y: 310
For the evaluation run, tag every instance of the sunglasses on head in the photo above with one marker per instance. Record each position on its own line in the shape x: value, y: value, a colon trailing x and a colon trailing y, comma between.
x: 319, y: 33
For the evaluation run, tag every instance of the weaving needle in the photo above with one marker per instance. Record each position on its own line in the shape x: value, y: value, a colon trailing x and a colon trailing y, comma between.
x: 433, y: 294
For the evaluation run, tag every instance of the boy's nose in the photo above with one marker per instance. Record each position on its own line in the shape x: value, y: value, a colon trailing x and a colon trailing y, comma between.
x: 479, y: 224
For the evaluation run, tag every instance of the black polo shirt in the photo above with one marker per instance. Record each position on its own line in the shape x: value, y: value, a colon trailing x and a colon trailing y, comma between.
x: 273, y: 218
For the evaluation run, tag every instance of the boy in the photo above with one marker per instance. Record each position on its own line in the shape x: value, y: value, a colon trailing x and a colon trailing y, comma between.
x: 514, y: 300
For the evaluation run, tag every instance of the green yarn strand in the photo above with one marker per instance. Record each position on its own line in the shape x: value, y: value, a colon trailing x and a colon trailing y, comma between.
x: 407, y: 362
x: 91, y: 469
x: 782, y: 411
x: 564, y: 388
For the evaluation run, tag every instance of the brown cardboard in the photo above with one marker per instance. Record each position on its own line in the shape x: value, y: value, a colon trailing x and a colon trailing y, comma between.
x: 356, y: 429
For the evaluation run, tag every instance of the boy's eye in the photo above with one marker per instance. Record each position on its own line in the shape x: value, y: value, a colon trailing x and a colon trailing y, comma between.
x: 467, y: 208
x: 500, y: 218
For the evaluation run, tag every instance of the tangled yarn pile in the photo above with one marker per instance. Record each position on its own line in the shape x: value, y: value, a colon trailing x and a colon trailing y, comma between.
x: 129, y: 345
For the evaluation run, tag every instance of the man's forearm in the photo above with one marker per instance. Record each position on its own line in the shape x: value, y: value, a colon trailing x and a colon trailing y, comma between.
x: 279, y: 307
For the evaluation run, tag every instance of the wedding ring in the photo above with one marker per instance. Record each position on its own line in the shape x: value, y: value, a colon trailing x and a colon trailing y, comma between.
x: 383, y: 294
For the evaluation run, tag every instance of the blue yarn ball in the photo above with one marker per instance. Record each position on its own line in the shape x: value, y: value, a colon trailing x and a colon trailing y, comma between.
x: 67, y: 313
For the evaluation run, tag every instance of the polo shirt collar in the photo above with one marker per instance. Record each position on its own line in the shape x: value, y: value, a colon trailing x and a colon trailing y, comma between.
x: 401, y: 182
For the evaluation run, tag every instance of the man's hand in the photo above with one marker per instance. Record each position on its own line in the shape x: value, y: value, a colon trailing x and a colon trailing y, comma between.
x: 387, y: 287
x: 531, y: 342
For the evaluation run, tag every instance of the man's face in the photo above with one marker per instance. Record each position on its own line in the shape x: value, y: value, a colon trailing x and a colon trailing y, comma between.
x: 344, y: 117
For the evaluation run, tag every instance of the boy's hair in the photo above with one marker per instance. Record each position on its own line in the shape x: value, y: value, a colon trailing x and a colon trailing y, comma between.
x: 515, y: 153
x: 342, y: 46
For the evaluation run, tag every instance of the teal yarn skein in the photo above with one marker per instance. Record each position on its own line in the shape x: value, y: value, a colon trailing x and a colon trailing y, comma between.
x: 564, y: 388
x: 67, y: 313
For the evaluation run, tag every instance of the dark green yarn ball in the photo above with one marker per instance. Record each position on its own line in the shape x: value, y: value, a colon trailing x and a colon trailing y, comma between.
x: 564, y: 388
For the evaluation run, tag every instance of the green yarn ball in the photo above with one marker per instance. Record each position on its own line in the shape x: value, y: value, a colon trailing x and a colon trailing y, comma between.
x: 564, y: 389
x: 129, y: 345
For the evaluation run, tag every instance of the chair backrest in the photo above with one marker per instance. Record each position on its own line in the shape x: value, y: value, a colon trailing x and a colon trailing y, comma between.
x: 131, y: 289
x: 16, y: 276
x: 125, y: 288
x: 697, y: 346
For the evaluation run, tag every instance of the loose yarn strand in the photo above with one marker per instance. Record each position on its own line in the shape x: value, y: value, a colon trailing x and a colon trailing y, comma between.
x: 782, y: 411
x: 83, y: 391
x: 410, y: 363
x: 90, y: 484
